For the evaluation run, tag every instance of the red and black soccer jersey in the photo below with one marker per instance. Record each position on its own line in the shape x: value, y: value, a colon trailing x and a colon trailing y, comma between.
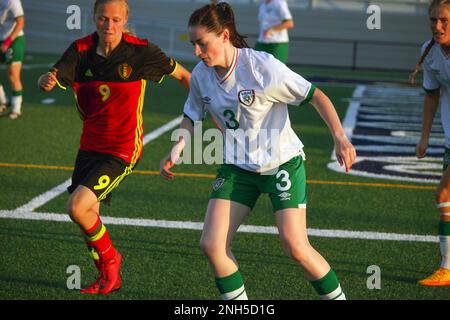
x: 110, y: 91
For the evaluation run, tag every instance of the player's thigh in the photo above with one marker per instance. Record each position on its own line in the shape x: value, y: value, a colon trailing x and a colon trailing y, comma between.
x: 287, y: 188
x: 99, y: 173
x: 222, y: 219
x: 83, y: 199
x: 291, y: 224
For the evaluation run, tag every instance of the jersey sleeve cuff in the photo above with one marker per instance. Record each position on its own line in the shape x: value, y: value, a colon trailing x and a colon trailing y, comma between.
x: 431, y: 90
x: 186, y: 116
x: 309, y: 96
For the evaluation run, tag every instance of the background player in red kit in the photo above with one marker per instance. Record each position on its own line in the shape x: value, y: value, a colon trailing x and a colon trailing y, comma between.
x: 107, y: 71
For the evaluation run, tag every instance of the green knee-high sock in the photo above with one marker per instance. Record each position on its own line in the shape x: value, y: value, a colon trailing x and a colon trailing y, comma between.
x: 328, y: 287
x: 232, y: 287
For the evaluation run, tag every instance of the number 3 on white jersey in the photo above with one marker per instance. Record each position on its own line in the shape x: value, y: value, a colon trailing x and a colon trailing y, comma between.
x: 284, y: 180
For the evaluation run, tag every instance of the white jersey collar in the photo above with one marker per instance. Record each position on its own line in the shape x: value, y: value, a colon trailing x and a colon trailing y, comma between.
x: 226, y: 80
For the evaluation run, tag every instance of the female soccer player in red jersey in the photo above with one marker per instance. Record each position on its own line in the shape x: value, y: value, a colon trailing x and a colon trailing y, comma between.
x: 107, y: 71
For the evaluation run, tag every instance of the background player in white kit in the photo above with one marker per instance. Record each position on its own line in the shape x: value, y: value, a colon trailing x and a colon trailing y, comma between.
x: 436, y: 82
x: 12, y: 44
x: 249, y: 90
x: 275, y: 19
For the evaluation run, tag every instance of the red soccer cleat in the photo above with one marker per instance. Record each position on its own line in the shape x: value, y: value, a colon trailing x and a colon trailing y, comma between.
x: 93, y: 288
x: 110, y: 279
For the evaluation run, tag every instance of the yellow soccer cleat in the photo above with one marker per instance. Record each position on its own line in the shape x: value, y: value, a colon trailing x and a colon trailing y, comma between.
x: 440, y: 278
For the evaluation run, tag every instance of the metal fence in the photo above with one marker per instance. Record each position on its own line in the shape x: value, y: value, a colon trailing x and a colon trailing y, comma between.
x: 399, y: 6
x: 46, y: 32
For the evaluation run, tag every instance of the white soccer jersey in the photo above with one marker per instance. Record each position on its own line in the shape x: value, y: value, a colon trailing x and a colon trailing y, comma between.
x: 436, y: 74
x: 272, y: 14
x: 251, y: 102
x: 9, y: 11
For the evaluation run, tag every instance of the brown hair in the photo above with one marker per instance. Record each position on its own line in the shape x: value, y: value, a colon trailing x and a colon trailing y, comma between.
x: 99, y: 3
x: 216, y: 18
x: 433, y: 5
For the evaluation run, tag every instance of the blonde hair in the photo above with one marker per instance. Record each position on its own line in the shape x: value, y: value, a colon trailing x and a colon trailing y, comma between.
x: 99, y: 3
x: 433, y: 5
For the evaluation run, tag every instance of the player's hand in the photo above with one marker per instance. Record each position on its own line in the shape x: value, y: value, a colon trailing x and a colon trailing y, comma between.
x: 165, y: 165
x: 6, y: 44
x: 47, y: 81
x: 267, y: 33
x: 421, y: 148
x: 345, y: 152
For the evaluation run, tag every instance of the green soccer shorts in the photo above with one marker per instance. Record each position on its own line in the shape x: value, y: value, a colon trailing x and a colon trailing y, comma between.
x: 15, y: 52
x: 278, y: 50
x: 286, y: 188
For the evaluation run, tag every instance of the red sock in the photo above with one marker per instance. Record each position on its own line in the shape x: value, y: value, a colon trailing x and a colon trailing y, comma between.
x: 98, y: 238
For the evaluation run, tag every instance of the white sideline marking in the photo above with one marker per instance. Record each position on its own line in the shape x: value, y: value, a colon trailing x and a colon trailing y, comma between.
x: 45, y: 197
x: 189, y: 225
x: 56, y: 191
x: 161, y: 130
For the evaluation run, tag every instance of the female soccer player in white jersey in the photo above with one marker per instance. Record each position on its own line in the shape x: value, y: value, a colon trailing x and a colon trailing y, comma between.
x: 275, y: 19
x: 436, y: 82
x: 12, y: 49
x: 249, y: 90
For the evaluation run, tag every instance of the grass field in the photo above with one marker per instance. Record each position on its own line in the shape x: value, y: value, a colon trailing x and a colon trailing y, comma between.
x: 162, y: 260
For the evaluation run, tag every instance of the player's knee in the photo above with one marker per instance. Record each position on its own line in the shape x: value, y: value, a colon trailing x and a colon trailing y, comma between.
x: 211, y: 248
x: 297, y: 251
x: 205, y: 246
x: 74, y: 210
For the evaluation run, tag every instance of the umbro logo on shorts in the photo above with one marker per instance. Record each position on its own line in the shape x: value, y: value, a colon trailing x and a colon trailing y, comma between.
x: 285, y: 196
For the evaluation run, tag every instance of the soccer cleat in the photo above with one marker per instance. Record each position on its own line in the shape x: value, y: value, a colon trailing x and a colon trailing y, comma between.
x: 440, y: 278
x: 110, y: 280
x: 93, y: 288
x: 2, y: 108
x: 14, y: 115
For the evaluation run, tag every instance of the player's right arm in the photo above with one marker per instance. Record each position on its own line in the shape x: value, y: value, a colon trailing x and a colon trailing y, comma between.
x: 169, y: 160
x: 193, y: 111
x: 47, y: 81
x: 431, y: 86
x: 62, y: 73
x: 430, y: 105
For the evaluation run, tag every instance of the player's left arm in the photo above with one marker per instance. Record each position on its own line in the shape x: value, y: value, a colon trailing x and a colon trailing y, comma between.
x: 345, y: 152
x: 182, y: 75
x: 286, y: 24
x: 20, y: 24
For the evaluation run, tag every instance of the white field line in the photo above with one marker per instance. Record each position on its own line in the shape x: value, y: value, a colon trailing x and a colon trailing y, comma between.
x: 189, y: 225
x: 56, y: 191
x: 45, y: 197
x: 25, y: 212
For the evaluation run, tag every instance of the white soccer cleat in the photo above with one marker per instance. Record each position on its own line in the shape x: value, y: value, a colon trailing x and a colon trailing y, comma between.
x: 14, y: 115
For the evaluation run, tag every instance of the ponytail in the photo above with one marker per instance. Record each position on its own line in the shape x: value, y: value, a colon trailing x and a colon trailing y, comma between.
x: 412, y: 75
